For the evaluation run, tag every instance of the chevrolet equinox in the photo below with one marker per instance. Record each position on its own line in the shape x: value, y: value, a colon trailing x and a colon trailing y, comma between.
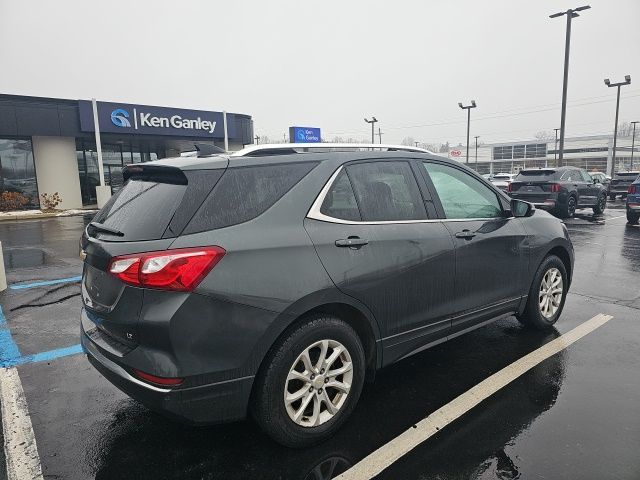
x: 274, y: 281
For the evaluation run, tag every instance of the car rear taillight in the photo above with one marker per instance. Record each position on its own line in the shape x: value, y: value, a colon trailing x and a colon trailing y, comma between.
x: 509, y: 187
x: 179, y: 270
x: 554, y: 188
x: 633, y: 189
x: 164, y: 381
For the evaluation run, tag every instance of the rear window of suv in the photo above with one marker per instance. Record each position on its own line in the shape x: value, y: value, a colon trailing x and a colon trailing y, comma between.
x: 243, y: 193
x: 536, y: 176
x: 150, y: 208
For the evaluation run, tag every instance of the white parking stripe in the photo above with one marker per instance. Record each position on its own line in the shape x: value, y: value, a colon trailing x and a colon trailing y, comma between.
x: 20, y: 449
x: 376, y: 462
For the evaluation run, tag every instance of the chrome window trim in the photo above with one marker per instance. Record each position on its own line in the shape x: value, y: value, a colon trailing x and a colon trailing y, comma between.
x: 315, y: 213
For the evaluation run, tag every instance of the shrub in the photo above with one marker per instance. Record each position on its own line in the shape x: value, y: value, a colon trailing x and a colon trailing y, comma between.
x: 12, y: 201
x: 50, y: 201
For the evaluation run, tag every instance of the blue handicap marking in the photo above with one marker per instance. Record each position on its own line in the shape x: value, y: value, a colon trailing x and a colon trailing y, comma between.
x: 8, y: 348
x: 44, y: 283
x: 10, y: 355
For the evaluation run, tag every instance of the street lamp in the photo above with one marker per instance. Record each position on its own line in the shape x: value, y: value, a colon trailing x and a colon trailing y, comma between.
x: 468, y: 109
x: 633, y: 143
x: 372, y: 122
x: 555, y: 148
x: 627, y: 81
x: 571, y: 13
x: 477, y: 137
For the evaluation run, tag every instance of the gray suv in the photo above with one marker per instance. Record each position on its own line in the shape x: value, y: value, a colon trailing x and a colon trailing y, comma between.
x: 275, y: 282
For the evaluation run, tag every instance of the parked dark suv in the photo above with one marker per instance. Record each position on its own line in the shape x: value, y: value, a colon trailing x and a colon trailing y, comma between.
x: 633, y: 202
x: 275, y: 282
x: 620, y: 184
x: 561, y: 190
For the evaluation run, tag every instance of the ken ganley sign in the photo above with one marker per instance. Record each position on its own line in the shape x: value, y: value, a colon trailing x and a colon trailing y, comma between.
x: 150, y: 120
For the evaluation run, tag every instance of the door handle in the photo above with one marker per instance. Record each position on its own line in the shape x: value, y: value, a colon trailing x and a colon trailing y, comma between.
x: 466, y: 234
x: 352, y: 242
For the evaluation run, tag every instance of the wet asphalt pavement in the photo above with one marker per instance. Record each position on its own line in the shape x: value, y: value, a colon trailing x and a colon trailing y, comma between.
x: 574, y: 416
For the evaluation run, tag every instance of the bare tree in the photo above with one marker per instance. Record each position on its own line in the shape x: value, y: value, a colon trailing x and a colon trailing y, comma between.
x: 409, y: 141
x: 444, y: 148
x: 545, y: 135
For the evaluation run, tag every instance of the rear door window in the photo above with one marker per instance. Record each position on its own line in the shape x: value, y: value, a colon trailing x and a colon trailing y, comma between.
x: 340, y: 201
x: 145, y: 207
x: 243, y: 193
x: 386, y: 191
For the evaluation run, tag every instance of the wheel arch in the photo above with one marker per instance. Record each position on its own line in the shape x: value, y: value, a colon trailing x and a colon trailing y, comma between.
x: 335, y: 303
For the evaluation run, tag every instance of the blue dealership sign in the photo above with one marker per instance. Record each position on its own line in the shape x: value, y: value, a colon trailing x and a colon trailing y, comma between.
x: 149, y: 120
x: 304, y: 135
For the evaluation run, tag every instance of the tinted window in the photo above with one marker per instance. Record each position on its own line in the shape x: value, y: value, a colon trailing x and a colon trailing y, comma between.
x: 461, y: 195
x: 586, y: 177
x: 536, y: 176
x: 386, y: 191
x: 141, y: 210
x: 340, y: 201
x: 243, y: 193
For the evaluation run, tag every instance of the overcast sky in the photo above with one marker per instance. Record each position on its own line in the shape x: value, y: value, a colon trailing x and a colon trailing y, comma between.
x: 329, y: 64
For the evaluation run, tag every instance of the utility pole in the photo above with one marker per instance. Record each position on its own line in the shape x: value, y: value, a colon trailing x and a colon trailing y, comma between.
x: 633, y: 143
x: 627, y: 81
x: 570, y: 13
x: 379, y: 136
x: 477, y: 137
x: 468, y: 109
x: 257, y: 138
x: 416, y: 143
x: 373, y: 121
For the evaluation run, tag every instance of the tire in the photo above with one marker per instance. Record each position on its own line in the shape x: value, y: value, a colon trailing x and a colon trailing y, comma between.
x: 534, y: 314
x: 275, y: 415
x: 633, y: 218
x: 568, y: 210
x: 601, y: 205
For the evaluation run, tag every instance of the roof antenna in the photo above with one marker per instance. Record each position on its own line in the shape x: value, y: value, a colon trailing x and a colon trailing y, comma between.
x: 206, y: 149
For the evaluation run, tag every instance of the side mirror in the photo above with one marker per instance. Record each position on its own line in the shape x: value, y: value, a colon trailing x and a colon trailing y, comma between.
x: 521, y: 209
x: 596, y: 180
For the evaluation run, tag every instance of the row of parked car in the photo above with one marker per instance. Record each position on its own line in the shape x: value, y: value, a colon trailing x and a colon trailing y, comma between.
x: 563, y: 190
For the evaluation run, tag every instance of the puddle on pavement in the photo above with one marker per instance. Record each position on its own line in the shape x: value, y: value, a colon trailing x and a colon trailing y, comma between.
x: 15, y: 258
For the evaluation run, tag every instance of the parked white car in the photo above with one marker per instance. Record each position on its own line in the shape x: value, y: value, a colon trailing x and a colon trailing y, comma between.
x: 502, y: 180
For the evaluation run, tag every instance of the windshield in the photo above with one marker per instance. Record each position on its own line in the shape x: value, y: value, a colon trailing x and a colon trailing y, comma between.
x: 141, y: 210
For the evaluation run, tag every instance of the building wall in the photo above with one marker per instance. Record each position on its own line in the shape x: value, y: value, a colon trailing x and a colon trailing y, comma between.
x: 57, y: 169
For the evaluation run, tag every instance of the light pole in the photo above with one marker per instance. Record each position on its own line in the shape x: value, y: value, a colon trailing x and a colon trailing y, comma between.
x: 633, y: 143
x: 477, y: 137
x: 627, y: 81
x: 571, y: 13
x: 555, y: 147
x: 468, y: 109
x: 372, y: 122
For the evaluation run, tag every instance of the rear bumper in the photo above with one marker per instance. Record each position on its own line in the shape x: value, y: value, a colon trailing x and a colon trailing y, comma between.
x: 202, y: 405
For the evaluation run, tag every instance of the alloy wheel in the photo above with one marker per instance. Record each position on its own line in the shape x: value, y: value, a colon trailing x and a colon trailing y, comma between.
x: 550, y: 294
x: 318, y: 383
x: 571, y: 206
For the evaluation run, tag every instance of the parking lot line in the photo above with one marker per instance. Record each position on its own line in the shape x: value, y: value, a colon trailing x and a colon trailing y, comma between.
x: 8, y: 348
x: 49, y: 355
x: 44, y: 283
x: 377, y: 461
x: 20, y: 449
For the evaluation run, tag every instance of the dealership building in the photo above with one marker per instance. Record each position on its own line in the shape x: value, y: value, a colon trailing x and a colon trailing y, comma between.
x: 48, y: 145
x: 593, y: 153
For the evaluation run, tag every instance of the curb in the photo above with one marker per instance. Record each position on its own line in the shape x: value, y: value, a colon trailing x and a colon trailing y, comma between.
x: 35, y: 216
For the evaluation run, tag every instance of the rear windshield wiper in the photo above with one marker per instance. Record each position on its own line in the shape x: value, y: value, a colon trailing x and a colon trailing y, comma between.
x: 99, y: 227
